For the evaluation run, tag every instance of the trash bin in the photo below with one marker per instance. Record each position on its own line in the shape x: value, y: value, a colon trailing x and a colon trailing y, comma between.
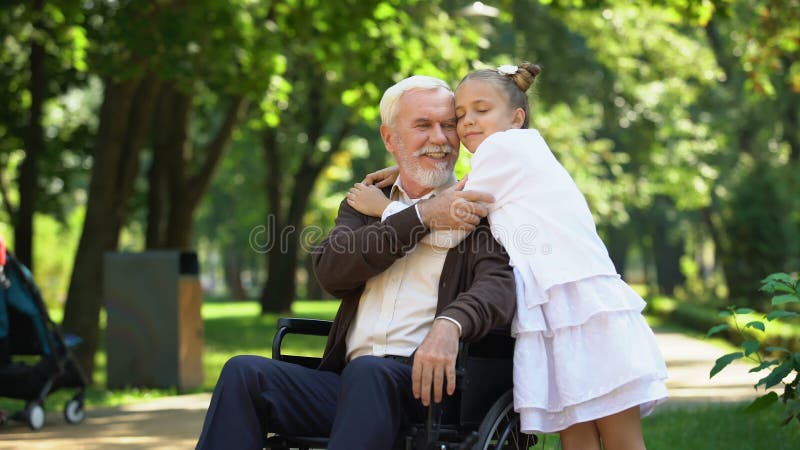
x: 154, y: 327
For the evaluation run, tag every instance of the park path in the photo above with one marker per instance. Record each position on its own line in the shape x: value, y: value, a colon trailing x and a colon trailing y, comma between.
x: 173, y: 423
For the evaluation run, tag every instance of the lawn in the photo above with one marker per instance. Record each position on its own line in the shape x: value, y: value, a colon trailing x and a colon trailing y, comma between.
x: 236, y: 327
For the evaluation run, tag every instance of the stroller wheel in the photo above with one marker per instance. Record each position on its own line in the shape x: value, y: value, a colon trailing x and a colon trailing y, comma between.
x: 34, y: 414
x: 74, y: 412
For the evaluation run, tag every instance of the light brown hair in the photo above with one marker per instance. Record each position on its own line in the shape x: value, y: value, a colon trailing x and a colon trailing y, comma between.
x: 515, y: 85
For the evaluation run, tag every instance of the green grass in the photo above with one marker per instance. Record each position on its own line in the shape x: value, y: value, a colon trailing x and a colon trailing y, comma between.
x: 237, y: 328
x: 710, y: 426
x: 719, y: 426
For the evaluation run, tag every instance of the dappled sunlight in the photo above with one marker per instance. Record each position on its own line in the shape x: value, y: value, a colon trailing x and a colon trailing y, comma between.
x: 162, y: 424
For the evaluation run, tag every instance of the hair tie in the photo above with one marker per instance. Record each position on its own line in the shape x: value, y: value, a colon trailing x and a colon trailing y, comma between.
x: 507, y: 69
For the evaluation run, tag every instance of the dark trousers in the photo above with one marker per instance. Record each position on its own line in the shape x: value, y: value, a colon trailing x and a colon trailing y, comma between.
x: 363, y: 408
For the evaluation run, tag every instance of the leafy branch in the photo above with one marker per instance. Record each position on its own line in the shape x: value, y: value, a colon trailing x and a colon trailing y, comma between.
x: 780, y: 362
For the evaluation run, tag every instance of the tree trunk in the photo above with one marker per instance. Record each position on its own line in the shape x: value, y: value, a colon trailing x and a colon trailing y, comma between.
x: 124, y: 122
x: 34, y: 146
x: 313, y: 290
x: 171, y: 140
x: 173, y: 157
x: 618, y: 243
x: 232, y: 265
x: 273, y: 186
x: 280, y: 289
x: 156, y: 202
x: 668, y: 249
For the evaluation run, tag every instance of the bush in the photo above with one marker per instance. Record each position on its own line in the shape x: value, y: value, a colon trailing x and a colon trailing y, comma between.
x: 779, y: 361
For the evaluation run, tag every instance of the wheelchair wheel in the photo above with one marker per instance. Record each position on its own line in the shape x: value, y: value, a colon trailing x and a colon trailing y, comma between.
x: 500, y: 428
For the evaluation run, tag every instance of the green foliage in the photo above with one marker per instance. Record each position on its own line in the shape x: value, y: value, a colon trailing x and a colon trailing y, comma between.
x: 757, y: 229
x: 781, y: 363
x: 68, y: 110
x: 684, y: 100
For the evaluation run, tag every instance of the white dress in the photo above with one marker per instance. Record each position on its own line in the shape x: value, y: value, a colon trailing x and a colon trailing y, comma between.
x: 583, y: 349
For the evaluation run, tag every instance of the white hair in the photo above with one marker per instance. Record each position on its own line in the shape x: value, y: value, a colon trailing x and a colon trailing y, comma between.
x: 390, y: 97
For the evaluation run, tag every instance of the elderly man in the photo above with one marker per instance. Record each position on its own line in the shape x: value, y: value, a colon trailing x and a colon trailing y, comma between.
x: 405, y: 301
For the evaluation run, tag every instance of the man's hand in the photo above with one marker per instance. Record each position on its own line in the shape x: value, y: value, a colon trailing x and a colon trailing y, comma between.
x: 455, y: 208
x: 434, y: 361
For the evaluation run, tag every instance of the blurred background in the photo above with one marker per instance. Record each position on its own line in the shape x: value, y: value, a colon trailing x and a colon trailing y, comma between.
x: 234, y: 127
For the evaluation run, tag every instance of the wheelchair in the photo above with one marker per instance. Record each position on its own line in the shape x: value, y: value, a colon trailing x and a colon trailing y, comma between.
x: 480, y: 415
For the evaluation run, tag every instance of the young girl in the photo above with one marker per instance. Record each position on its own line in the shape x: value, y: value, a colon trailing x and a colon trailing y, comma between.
x: 586, y: 364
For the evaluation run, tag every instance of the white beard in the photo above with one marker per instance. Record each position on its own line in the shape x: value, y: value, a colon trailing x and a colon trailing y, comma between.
x: 429, y: 178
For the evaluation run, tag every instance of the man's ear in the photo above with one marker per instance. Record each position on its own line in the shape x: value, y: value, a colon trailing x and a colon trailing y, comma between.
x: 518, y: 118
x: 387, y: 134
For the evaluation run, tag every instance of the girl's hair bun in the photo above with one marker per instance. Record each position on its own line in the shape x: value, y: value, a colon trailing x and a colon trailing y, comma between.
x: 525, y: 75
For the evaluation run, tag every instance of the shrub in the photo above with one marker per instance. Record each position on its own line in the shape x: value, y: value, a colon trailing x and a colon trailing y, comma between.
x: 780, y: 362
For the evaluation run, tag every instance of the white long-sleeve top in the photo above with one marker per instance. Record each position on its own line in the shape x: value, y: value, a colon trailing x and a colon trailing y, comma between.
x: 539, y: 215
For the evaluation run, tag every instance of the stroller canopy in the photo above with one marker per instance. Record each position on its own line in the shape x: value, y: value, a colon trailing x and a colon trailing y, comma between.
x: 21, y: 296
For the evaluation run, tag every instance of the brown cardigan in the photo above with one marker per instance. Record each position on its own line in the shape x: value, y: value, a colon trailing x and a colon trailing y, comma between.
x: 476, y: 287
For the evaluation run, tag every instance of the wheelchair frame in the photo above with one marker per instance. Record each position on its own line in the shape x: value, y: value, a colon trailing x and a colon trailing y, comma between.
x: 481, y: 417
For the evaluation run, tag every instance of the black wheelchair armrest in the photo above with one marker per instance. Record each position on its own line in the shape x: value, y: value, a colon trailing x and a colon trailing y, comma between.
x: 313, y: 327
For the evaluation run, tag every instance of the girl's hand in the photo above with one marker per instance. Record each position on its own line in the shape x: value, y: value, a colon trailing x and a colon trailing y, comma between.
x: 382, y: 178
x: 367, y: 200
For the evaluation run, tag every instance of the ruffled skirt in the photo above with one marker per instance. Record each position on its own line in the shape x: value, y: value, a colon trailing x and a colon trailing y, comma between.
x: 583, y: 352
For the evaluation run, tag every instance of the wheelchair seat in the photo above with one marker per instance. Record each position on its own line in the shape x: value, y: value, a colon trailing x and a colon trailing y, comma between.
x: 480, y: 415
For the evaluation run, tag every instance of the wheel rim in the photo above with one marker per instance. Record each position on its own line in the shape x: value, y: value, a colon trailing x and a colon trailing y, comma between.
x: 74, y: 412
x: 36, y: 417
x: 505, y: 433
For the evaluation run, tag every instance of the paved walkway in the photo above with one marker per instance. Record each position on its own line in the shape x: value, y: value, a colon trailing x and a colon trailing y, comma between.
x: 173, y: 423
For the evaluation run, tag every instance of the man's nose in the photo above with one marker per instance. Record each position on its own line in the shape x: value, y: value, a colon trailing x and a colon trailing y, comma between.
x: 437, y: 135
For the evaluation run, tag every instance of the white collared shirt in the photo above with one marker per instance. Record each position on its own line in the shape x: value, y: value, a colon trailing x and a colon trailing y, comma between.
x: 397, y: 307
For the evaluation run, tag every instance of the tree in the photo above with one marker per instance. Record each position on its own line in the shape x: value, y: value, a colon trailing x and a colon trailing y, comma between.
x: 41, y: 60
x: 139, y: 64
x: 334, y: 79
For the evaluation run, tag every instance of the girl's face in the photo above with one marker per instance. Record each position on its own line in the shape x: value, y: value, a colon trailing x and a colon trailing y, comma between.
x: 482, y: 109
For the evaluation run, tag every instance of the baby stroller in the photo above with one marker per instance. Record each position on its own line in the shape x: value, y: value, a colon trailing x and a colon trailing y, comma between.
x: 26, y: 331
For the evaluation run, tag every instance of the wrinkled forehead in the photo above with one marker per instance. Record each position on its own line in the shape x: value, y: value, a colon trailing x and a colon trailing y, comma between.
x: 433, y: 104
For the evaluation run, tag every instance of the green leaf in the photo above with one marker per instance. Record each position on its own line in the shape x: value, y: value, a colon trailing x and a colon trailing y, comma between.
x: 716, y: 329
x: 792, y: 406
x: 750, y: 347
x: 350, y: 96
x: 762, y: 402
x: 781, y: 314
x: 778, y: 282
x: 777, y: 375
x: 744, y: 311
x: 756, y: 324
x: 724, y: 314
x: 384, y: 11
x: 723, y: 362
x: 764, y: 365
x: 784, y: 288
x: 785, y: 298
x: 779, y: 277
